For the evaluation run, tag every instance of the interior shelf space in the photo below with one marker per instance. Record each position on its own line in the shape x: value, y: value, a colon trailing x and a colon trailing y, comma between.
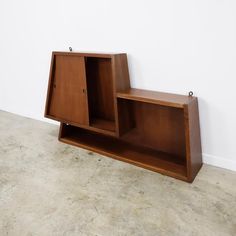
x: 100, y: 93
x: 125, y: 151
x: 103, y: 124
x: 153, y: 126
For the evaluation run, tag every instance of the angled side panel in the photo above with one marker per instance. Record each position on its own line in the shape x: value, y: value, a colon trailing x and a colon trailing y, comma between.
x: 121, y: 73
x: 193, y: 139
x: 51, y: 75
x: 121, y: 84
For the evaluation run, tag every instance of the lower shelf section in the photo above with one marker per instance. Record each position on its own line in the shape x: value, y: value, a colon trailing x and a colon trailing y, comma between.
x: 154, y: 160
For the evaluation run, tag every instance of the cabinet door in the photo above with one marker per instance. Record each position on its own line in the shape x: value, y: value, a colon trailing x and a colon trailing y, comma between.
x: 68, y: 90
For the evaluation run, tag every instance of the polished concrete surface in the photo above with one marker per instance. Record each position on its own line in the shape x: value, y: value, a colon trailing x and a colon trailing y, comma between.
x: 50, y: 188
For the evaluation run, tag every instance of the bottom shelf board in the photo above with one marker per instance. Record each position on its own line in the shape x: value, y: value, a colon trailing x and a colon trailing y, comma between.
x: 103, y: 124
x: 118, y: 149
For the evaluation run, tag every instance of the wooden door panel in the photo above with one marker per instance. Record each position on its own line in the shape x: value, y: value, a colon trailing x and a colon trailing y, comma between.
x: 69, y: 98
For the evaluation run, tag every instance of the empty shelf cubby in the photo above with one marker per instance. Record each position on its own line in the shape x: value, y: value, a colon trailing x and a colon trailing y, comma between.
x: 100, y: 93
x: 125, y: 150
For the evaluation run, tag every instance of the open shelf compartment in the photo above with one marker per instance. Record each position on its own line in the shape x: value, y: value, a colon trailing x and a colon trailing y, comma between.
x: 100, y: 93
x: 142, y: 156
x: 155, y: 127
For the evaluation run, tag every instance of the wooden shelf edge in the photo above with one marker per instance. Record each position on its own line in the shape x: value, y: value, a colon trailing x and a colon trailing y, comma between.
x: 86, y: 127
x: 100, y: 123
x: 159, y: 98
x: 130, y: 161
x: 87, y: 54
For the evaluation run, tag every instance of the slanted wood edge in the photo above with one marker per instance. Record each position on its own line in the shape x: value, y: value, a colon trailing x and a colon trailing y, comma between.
x: 49, y: 87
x: 190, y: 174
x: 187, y: 143
x: 124, y: 95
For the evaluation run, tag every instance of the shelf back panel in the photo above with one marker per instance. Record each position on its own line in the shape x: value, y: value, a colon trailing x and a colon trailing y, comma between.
x: 154, y: 126
x: 100, y: 88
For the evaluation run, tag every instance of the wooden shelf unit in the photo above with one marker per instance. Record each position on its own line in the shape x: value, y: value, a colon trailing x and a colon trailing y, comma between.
x: 90, y: 95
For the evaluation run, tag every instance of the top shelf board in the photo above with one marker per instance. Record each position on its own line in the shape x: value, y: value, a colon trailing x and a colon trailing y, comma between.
x: 86, y: 54
x: 159, y: 98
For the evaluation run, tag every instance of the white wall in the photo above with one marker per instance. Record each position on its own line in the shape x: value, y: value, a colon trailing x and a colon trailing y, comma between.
x: 173, y: 46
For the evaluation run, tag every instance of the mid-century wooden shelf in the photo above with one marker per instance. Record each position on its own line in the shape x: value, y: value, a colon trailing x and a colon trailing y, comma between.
x: 90, y: 95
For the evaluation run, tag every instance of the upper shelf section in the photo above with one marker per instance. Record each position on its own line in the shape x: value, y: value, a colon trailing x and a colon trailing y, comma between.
x: 160, y: 98
x: 82, y: 89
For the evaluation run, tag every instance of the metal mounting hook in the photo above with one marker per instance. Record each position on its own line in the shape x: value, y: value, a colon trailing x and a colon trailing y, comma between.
x: 190, y: 93
x: 70, y: 48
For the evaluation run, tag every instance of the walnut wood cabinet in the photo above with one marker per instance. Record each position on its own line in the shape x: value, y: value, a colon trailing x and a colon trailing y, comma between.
x: 90, y: 95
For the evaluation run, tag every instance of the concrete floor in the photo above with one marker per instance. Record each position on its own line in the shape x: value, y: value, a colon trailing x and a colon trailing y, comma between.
x: 50, y: 188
